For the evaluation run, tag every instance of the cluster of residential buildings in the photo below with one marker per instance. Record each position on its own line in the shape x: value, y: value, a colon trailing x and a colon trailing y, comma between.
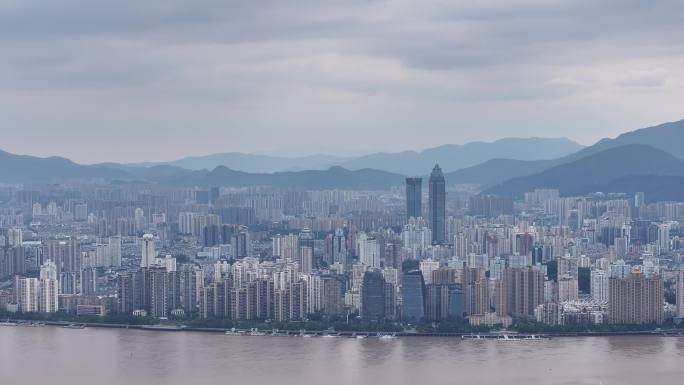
x: 400, y: 256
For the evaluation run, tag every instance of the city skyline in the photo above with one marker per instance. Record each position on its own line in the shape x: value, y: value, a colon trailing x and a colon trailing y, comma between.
x: 235, y: 256
x: 272, y: 262
x: 341, y: 192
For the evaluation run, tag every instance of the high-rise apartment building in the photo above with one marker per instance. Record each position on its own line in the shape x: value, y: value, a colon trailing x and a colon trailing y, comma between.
x: 157, y: 280
x: 306, y: 251
x: 241, y: 244
x: 329, y: 295
x: 27, y: 294
x: 339, y: 248
x: 115, y: 251
x: 599, y: 285
x: 475, y: 291
x: 567, y: 289
x: 369, y: 250
x: 148, y: 252
x: 88, y: 279
x: 636, y: 299
x: 48, y: 295
x: 525, y: 288
x: 65, y: 253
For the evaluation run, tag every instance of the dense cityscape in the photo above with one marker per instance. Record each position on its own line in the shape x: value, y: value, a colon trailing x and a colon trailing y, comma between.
x: 407, y: 259
x: 340, y: 192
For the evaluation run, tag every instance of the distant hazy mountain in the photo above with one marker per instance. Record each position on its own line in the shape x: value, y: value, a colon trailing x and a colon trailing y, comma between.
x: 251, y: 162
x: 32, y: 169
x: 668, y: 137
x: 508, y: 166
x: 332, y: 178
x: 495, y: 171
x: 302, y: 150
x: 596, y: 172
x: 452, y: 157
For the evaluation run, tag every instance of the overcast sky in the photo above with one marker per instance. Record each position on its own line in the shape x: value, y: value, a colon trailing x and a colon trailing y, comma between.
x: 160, y: 79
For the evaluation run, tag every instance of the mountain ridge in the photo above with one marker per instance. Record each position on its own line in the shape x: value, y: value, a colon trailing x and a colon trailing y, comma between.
x: 491, y: 174
x: 664, y: 136
x: 408, y: 162
x: 595, y: 171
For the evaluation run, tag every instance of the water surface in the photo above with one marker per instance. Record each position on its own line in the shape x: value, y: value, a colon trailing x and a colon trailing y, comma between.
x: 56, y: 356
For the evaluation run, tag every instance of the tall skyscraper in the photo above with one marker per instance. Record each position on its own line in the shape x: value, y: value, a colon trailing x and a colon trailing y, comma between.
x: 148, y: 252
x: 437, y: 192
x: 414, y: 197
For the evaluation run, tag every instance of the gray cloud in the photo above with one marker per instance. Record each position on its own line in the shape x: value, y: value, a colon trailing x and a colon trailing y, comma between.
x: 131, y: 80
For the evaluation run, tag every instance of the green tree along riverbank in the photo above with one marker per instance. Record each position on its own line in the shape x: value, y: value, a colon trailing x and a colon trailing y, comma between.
x: 120, y: 319
x: 339, y: 325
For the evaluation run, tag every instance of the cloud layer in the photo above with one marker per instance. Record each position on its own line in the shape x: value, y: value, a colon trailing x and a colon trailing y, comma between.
x: 129, y: 80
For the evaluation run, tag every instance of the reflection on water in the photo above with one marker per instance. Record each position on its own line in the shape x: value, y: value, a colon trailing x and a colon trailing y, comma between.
x: 101, y: 356
x: 637, y: 347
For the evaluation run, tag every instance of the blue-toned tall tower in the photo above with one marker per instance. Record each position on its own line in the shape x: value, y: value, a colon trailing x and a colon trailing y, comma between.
x: 437, y: 191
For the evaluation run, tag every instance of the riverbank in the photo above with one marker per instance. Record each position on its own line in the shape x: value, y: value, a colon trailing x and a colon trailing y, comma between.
x: 331, y: 333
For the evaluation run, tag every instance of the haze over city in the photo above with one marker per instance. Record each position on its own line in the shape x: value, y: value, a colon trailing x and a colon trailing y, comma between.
x: 338, y: 192
x: 135, y: 81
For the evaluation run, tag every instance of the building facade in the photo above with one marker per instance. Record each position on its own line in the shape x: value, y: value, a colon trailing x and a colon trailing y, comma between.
x: 437, y: 201
x: 414, y: 197
x: 636, y: 299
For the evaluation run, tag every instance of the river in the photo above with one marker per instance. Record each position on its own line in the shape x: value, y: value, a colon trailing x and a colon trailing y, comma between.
x: 56, y: 356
